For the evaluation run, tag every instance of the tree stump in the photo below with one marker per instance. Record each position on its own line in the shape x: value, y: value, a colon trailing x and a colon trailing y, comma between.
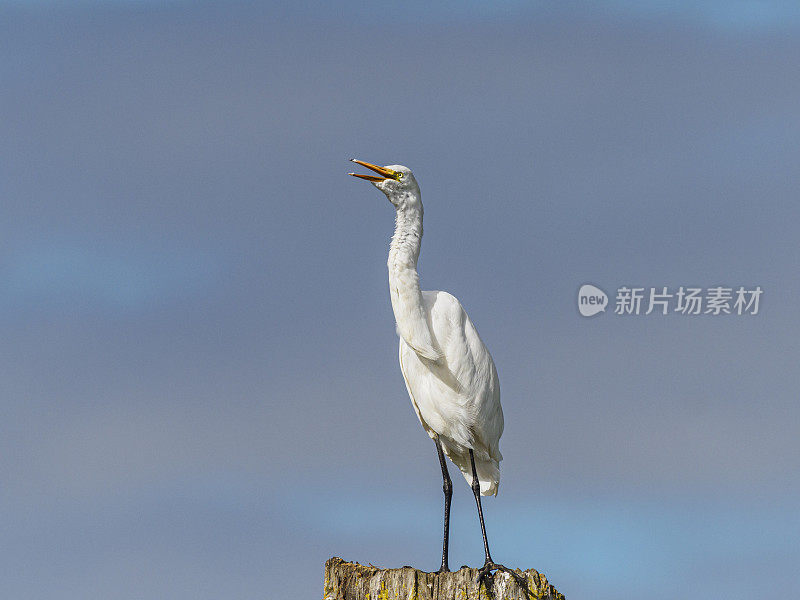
x: 351, y: 581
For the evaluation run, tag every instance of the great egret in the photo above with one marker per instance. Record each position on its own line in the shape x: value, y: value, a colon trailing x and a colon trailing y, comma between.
x: 449, y: 373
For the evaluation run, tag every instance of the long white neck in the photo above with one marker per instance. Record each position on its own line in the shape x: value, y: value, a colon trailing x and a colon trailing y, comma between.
x: 409, y: 312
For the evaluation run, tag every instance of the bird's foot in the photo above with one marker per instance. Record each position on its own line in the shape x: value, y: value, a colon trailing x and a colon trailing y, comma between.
x: 443, y: 569
x: 486, y: 572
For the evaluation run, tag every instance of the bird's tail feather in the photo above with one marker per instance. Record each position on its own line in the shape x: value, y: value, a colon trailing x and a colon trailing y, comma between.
x: 488, y: 473
x: 488, y: 476
x: 488, y: 468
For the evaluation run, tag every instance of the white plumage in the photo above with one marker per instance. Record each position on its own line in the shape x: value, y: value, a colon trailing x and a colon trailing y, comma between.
x: 457, y: 397
x: 449, y: 373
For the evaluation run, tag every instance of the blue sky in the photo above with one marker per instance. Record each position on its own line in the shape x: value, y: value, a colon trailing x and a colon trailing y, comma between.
x: 725, y: 14
x: 199, y: 384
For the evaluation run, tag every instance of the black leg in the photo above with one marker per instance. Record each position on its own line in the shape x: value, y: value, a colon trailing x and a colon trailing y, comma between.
x: 489, y: 565
x: 476, y: 490
x: 447, y: 488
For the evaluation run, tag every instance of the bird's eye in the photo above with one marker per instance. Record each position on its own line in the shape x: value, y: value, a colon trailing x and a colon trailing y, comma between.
x: 399, y: 176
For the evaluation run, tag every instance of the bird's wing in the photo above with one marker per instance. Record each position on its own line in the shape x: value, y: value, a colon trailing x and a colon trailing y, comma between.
x: 458, y: 397
x: 467, y: 361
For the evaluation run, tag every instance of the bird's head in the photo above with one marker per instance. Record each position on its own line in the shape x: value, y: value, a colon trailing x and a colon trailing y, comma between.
x: 396, y: 181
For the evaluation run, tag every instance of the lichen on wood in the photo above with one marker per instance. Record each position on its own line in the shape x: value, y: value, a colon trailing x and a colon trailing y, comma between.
x: 352, y: 581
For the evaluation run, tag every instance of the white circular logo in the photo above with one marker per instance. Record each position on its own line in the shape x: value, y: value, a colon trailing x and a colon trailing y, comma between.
x: 591, y: 300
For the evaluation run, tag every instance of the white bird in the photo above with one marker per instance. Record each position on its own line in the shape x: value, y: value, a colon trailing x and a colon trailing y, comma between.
x: 449, y: 373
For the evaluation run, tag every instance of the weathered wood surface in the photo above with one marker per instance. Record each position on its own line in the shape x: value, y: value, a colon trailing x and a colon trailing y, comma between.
x: 351, y: 581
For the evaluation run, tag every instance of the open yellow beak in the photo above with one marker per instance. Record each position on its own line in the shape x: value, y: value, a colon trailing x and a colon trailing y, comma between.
x: 385, y: 173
